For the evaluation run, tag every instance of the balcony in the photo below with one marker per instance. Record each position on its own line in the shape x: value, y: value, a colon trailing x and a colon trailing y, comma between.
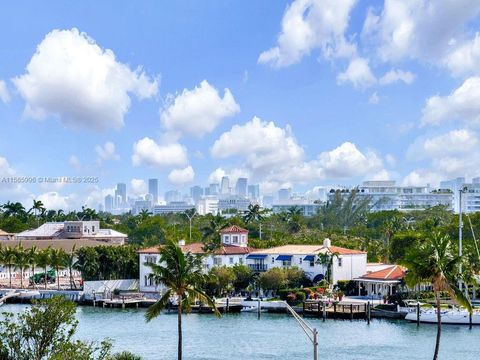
x: 258, y: 267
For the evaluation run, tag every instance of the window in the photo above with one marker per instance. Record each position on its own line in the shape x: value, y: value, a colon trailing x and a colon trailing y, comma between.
x: 240, y: 261
x: 286, y: 263
x: 312, y: 263
x: 217, y: 261
x: 226, y: 239
x: 150, y: 259
x: 273, y: 260
x: 146, y: 280
x: 235, y: 239
x: 339, y: 262
x: 300, y: 261
x: 231, y: 260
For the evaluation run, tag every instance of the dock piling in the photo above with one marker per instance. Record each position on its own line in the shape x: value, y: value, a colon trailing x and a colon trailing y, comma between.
x: 369, y: 314
x: 324, y: 310
x: 418, y: 314
x: 258, y: 308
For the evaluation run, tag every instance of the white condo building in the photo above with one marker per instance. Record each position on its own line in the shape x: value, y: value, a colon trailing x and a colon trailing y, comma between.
x: 386, y: 195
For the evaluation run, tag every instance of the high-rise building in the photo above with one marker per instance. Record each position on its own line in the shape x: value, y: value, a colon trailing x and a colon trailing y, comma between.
x: 109, y: 203
x: 196, y: 192
x: 122, y: 192
x: 153, y: 190
x: 214, y: 189
x: 225, y: 185
x: 173, y: 196
x: 206, y: 191
x: 254, y: 192
x: 241, y: 187
x: 284, y: 194
x: 454, y: 185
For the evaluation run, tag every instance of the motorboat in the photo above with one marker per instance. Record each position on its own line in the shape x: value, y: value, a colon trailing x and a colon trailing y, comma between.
x: 450, y: 316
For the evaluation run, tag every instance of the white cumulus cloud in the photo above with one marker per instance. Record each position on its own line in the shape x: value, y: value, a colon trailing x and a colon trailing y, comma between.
x: 198, y: 111
x: 395, y: 75
x: 465, y: 59
x: 138, y: 187
x: 463, y: 103
x: 106, y: 152
x: 358, y: 73
x: 181, y: 176
x: 74, y: 79
x: 4, y: 93
x: 146, y: 151
x: 309, y: 25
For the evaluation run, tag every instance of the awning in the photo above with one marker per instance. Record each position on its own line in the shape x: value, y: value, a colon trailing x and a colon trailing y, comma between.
x: 284, y: 257
x: 256, y: 256
x: 309, y: 258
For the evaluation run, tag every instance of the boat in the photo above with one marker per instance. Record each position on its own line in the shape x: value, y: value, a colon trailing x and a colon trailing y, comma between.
x: 455, y: 316
x: 27, y: 294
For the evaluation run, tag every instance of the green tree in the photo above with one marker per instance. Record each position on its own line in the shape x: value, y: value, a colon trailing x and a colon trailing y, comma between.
x: 221, y: 279
x: 294, y: 277
x: 46, y: 332
x: 182, y: 275
x: 70, y: 264
x: 22, y: 261
x: 37, y: 208
x: 243, y: 277
x: 326, y: 260
x: 255, y: 214
x: 434, y: 261
x: 32, y: 259
x: 273, y: 279
x: 43, y: 261
x: 7, y: 258
x: 58, y: 262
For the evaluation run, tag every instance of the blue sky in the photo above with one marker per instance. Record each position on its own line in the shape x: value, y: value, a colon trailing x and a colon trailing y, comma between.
x: 289, y: 93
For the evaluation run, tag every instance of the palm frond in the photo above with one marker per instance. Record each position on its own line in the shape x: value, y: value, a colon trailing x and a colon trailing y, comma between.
x: 155, y: 309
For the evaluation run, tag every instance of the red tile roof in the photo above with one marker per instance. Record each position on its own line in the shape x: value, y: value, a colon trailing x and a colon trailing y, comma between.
x: 197, y: 248
x: 234, y: 229
x: 394, y: 272
x: 344, y: 251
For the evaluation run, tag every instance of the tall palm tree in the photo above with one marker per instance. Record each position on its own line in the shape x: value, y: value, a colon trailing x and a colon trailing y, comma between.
x: 326, y: 260
x: 434, y: 261
x: 32, y: 259
x: 70, y: 264
x: 254, y: 214
x: 37, y: 208
x: 43, y: 261
x: 58, y: 261
x: 21, y: 262
x: 13, y: 209
x: 7, y: 258
x: 182, y: 275
x: 144, y: 214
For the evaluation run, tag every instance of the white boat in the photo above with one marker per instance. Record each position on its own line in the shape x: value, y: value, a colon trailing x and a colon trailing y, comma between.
x: 28, y: 294
x: 461, y: 317
x: 249, y: 309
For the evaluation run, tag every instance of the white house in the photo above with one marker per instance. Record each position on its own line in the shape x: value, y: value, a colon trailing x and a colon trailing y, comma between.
x: 347, y: 264
x: 233, y: 251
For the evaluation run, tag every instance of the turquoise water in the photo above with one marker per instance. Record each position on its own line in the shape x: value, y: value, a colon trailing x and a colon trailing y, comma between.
x: 274, y: 336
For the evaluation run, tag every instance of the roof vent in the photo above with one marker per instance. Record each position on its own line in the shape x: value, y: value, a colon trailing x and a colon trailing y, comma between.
x: 327, y: 242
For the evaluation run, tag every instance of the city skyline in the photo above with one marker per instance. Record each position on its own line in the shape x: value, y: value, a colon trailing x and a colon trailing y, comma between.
x: 190, y: 101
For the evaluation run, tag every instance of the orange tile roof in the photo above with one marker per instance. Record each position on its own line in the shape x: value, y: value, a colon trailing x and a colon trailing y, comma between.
x: 197, y: 248
x: 345, y: 251
x: 394, y: 272
x: 233, y: 229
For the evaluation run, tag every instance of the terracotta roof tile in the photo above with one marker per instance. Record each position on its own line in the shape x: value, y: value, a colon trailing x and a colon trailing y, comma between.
x: 197, y: 248
x: 394, y: 272
x: 233, y: 229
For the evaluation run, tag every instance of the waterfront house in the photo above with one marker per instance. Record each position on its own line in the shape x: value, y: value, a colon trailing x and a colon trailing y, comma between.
x: 233, y: 250
x: 346, y: 264
x: 381, y: 280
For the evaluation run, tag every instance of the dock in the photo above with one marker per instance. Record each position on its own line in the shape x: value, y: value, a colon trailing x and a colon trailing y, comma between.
x: 336, y: 310
x: 128, y: 300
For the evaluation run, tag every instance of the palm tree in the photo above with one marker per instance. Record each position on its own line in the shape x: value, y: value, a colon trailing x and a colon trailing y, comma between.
x: 254, y: 214
x: 294, y: 219
x: 37, y: 208
x: 13, y: 209
x: 21, y: 261
x: 434, y: 261
x: 144, y: 214
x: 58, y: 261
x: 182, y: 276
x: 70, y: 264
x: 43, y: 261
x: 211, y: 231
x: 326, y: 260
x: 32, y: 259
x: 390, y: 228
x: 7, y: 258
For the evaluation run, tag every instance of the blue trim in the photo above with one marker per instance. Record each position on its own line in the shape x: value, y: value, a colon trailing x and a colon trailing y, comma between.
x: 309, y: 258
x: 256, y: 256
x: 284, y: 257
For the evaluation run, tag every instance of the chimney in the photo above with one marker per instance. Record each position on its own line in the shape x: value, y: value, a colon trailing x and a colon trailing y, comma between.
x: 327, y: 242
x: 181, y: 242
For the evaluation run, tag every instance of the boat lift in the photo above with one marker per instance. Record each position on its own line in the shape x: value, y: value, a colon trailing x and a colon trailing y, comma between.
x: 312, y: 333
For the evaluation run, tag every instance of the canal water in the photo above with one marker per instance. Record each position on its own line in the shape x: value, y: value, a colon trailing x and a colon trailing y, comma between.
x: 274, y: 336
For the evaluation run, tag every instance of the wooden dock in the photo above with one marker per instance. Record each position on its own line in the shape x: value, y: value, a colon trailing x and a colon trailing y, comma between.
x: 336, y: 310
x: 124, y: 301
